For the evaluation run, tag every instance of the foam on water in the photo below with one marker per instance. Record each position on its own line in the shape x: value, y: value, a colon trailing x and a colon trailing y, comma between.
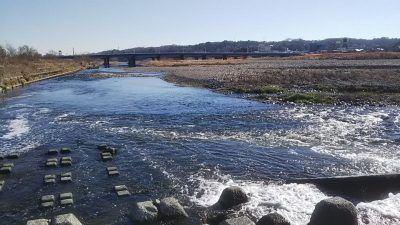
x: 382, y: 212
x: 17, y: 127
x: 295, y: 202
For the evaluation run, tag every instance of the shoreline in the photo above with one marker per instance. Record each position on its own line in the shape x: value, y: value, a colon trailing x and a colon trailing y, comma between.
x: 321, y: 82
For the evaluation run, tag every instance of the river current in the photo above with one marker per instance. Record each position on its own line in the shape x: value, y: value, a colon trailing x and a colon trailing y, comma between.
x: 187, y: 142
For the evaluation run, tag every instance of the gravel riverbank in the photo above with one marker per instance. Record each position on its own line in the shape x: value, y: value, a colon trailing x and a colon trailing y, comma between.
x: 332, y: 81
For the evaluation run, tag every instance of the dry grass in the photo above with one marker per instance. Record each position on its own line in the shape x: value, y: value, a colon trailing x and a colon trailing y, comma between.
x: 207, y: 62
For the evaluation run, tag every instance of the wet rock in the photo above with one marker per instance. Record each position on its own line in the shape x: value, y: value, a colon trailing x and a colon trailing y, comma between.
x: 273, y: 219
x: 244, y: 220
x: 170, y: 208
x: 334, y: 211
x: 38, y: 222
x: 66, y: 219
x: 144, y: 212
x: 52, y: 152
x: 231, y: 196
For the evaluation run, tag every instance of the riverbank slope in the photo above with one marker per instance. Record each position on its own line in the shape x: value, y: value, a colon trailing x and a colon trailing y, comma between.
x: 19, y: 72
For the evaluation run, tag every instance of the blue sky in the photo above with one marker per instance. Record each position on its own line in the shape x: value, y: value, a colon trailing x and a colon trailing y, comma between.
x: 95, y: 25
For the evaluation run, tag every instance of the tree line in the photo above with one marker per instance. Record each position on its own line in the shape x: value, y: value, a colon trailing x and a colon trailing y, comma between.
x: 300, y: 45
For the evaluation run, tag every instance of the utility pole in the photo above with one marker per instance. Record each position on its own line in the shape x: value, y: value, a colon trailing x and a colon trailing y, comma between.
x: 73, y: 51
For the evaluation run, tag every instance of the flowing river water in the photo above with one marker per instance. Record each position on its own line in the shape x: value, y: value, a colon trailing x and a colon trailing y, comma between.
x: 186, y: 142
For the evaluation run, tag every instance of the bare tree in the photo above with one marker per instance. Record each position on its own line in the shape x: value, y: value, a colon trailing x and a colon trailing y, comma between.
x: 11, y: 51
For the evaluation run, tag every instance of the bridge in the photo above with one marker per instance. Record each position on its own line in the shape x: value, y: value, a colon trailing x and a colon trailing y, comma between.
x: 132, y: 57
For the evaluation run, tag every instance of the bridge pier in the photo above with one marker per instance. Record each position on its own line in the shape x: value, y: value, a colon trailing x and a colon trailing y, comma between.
x: 203, y: 57
x: 224, y: 57
x: 106, y: 62
x: 158, y: 57
x: 182, y: 57
x: 132, y: 61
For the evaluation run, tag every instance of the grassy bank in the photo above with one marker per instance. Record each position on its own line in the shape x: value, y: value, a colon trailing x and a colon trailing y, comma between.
x: 16, y: 72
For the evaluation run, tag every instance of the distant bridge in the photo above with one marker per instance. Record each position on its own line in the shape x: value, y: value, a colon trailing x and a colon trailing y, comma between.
x: 132, y: 57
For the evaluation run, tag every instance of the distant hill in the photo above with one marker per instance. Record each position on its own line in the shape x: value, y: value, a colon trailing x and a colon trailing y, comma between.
x: 328, y: 45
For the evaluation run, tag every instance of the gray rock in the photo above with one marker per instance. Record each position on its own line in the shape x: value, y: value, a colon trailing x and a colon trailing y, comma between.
x: 170, y: 208
x: 232, y: 196
x: 38, y: 222
x: 144, y: 212
x: 244, y: 220
x: 334, y: 211
x: 273, y: 219
x: 66, y: 219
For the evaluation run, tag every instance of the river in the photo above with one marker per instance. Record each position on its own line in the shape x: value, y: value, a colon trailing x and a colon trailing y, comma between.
x: 187, y: 142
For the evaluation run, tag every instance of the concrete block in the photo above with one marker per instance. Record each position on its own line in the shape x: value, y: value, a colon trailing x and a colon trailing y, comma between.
x: 67, y: 201
x: 120, y: 188
x: 69, y: 174
x: 52, y: 152
x: 52, y: 160
x: 113, y: 173
x: 38, y: 222
x: 66, y: 179
x: 5, y: 170
x: 66, y: 219
x: 65, y: 150
x: 50, y: 176
x: 47, y: 204
x: 66, y: 158
x: 66, y: 195
x: 12, y: 156
x: 102, y: 147
x: 66, y: 163
x: 8, y: 165
x: 51, y: 164
x: 111, y: 168
x: 107, y: 158
x: 50, y: 181
x: 48, y: 198
x: 123, y: 193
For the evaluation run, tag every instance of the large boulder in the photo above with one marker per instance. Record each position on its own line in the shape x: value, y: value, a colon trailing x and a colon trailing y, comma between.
x: 171, y: 209
x: 144, y: 212
x: 38, y: 222
x: 244, y: 220
x: 66, y: 219
x: 334, y: 211
x: 273, y: 219
x: 232, y: 196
